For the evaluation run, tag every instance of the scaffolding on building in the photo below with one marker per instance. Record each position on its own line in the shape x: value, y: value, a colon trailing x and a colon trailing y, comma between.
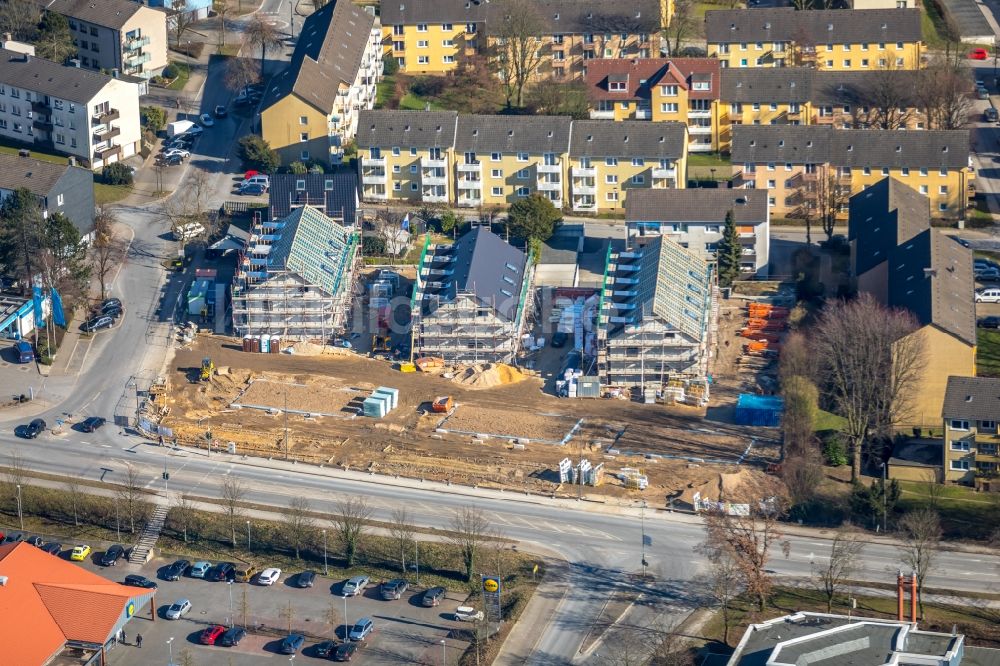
x: 295, y: 288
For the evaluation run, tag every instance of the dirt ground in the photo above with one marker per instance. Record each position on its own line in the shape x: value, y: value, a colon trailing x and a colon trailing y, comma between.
x: 673, y: 446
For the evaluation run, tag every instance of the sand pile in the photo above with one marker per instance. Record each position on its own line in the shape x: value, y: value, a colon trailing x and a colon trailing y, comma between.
x: 305, y: 348
x: 732, y: 487
x: 487, y: 375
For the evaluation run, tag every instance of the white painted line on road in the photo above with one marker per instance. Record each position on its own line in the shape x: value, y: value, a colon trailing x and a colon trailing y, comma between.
x: 87, y: 443
x: 105, y: 446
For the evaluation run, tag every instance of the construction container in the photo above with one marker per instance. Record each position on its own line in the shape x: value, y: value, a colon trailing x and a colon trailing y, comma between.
x: 588, y: 387
x: 407, y: 367
x: 247, y: 343
x: 393, y: 394
x: 759, y: 410
x: 442, y: 404
x: 375, y: 407
x: 265, y: 344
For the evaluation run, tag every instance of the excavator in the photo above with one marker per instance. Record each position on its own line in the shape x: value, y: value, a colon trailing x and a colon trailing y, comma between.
x: 207, y: 368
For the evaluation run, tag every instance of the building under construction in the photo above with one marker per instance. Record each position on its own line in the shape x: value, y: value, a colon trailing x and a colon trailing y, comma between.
x: 656, y: 314
x: 469, y: 299
x: 295, y: 277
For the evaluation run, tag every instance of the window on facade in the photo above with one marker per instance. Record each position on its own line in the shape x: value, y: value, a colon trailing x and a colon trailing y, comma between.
x: 617, y: 86
x: 959, y: 424
x: 448, y: 59
x: 496, y: 173
x: 421, y: 27
x: 447, y: 27
x: 668, y: 107
x: 303, y: 136
x: 610, y: 178
x: 497, y: 191
x: 960, y: 465
x: 423, y: 60
x: 610, y: 161
x: 523, y: 174
x: 523, y: 191
x: 987, y: 425
x: 421, y: 43
x: 638, y: 179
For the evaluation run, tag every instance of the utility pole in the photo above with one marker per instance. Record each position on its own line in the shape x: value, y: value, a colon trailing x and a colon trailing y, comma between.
x: 885, y: 503
x: 643, y: 524
x: 286, y: 422
x: 20, y: 516
x: 326, y: 571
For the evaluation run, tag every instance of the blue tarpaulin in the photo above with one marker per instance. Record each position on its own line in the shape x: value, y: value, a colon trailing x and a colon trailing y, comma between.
x: 37, y: 300
x: 58, y: 316
x: 759, y: 410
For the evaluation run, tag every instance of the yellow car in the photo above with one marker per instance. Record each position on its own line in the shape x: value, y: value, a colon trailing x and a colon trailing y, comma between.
x: 80, y: 553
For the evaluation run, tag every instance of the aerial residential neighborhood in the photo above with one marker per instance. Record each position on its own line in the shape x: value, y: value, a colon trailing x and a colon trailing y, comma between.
x: 454, y: 332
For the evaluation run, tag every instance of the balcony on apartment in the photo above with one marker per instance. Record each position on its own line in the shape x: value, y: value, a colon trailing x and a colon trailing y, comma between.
x: 465, y: 199
x: 555, y: 167
x: 135, y: 43
x: 39, y: 106
x: 584, y: 186
x: 434, y: 195
x: 660, y: 172
x: 470, y: 181
x: 643, y: 113
x: 106, y: 134
x: 470, y: 167
x: 434, y: 176
x: 373, y: 162
x: 584, y: 203
x: 602, y: 115
x: 375, y: 193
x: 699, y: 129
x: 548, y: 185
x: 433, y: 163
x: 104, y: 153
x: 137, y: 58
x: 699, y: 113
x: 107, y: 116
x: 373, y: 176
x: 42, y: 124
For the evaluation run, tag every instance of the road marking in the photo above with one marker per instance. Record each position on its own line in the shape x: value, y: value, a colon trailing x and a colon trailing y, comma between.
x: 106, y: 446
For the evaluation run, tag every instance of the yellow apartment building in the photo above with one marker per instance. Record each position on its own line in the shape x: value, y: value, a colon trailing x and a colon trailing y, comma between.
x: 682, y: 90
x: 406, y: 155
x: 607, y: 159
x: 310, y: 110
x: 971, y: 441
x: 791, y: 162
x: 500, y: 159
x: 834, y: 40
x: 432, y: 36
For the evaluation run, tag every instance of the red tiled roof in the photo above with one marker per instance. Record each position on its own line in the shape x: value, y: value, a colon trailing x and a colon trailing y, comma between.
x: 643, y: 73
x: 47, y: 601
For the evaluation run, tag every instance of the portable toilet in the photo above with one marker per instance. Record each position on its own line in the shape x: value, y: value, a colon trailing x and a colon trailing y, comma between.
x: 393, y: 394
x: 275, y: 344
x: 265, y: 344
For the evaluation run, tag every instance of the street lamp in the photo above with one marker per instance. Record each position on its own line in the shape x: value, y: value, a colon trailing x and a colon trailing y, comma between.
x: 20, y: 516
x: 326, y: 571
x: 248, y: 537
x: 171, y: 648
x: 166, y: 475
x: 444, y: 653
x: 884, y: 502
x: 345, y: 617
x: 118, y: 521
x: 230, y: 603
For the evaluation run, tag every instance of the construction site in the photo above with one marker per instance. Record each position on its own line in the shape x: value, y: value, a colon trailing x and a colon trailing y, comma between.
x: 496, y: 428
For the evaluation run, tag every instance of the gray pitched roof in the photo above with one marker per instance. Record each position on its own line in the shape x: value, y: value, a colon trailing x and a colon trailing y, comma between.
x: 805, y: 84
x: 883, y: 216
x: 972, y: 398
x: 38, y: 176
x: 327, y: 55
x: 557, y: 16
x: 489, y: 268
x: 50, y: 78
x: 931, y: 275
x: 819, y: 144
x: 816, y: 26
x: 695, y: 205
x: 313, y: 246
x: 859, y: 88
x: 406, y: 129
x: 334, y: 193
x: 509, y: 134
x: 629, y: 138
x: 112, y: 14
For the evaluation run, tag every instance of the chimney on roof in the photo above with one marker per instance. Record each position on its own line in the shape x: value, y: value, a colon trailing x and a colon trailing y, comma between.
x: 3, y: 581
x: 930, y: 272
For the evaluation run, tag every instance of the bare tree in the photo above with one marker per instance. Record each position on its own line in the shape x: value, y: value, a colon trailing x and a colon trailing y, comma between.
x: 241, y: 72
x: 747, y: 537
x: 16, y: 475
x: 845, y: 551
x: 871, y: 358
x: 887, y: 98
x: 263, y: 35
x: 19, y: 18
x: 921, y: 534
x: 232, y: 491
x: 287, y: 613
x: 333, y: 617
x: 821, y: 198
x: 470, y: 531
x: 517, y: 51
x: 933, y: 489
x: 107, y: 248
x: 401, y: 531
x: 74, y: 497
x: 221, y: 8
x: 724, y: 584
x: 681, y: 25
x: 130, y: 494
x: 183, y: 516
x: 298, y: 524
x: 946, y: 94
x: 185, y: 658
x: 802, y: 471
x: 181, y: 19
x: 350, y: 521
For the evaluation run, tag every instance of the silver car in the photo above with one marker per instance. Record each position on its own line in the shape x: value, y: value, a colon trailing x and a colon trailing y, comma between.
x: 178, y: 609
x: 355, y: 586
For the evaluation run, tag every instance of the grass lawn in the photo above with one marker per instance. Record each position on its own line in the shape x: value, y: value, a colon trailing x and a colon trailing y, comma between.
x: 105, y: 194
x: 229, y: 49
x: 829, y: 421
x: 988, y: 353
x: 965, y: 514
x: 10, y: 148
x: 933, y: 27
x: 709, y: 160
x: 414, y: 103
x: 384, y: 91
x: 183, y: 74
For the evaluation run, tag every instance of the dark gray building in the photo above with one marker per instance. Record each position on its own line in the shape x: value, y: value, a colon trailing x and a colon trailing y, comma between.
x: 335, y: 194
x: 60, y: 188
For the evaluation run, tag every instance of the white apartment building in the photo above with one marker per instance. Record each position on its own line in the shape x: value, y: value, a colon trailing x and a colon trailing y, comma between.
x: 67, y: 109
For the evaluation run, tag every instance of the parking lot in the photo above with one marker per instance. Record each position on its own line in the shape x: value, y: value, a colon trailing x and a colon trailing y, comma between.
x: 405, y: 631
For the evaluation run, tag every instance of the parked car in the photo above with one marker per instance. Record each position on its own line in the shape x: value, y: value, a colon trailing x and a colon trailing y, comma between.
x: 233, y: 636
x: 34, y: 540
x: 292, y: 643
x: 982, y: 93
x: 211, y: 634
x: 97, y: 323
x: 991, y: 295
x: 192, y: 131
x: 80, y: 553
x: 345, y: 651
x: 114, y: 313
x: 355, y: 586
x: 324, y: 649
x: 92, y: 423
x: 361, y: 629
x: 176, y: 570
x: 188, y: 231
x: 220, y: 111
x: 177, y: 152
x: 989, y: 322
x: 305, y: 579
x: 986, y: 274
x: 260, y: 179
x: 173, y: 160
x: 15, y: 537
x: 978, y: 54
x: 433, y: 597
x: 990, y: 115
x: 33, y: 429
x: 269, y: 576
x: 112, y: 555
x: 223, y: 571
x: 135, y: 580
x: 178, y: 609
x: 53, y: 548
x: 253, y: 189
x: 393, y: 589
x: 24, y: 352
x: 468, y: 614
x: 199, y: 569
x: 206, y: 120
x: 245, y: 572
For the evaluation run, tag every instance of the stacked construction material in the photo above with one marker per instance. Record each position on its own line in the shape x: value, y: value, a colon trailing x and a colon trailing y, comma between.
x: 765, y: 327
x: 382, y: 401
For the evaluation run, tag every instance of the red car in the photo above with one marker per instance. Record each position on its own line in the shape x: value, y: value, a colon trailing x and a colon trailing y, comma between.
x: 979, y: 54
x: 210, y: 635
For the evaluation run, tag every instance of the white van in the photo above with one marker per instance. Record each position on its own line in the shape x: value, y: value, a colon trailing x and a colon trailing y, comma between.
x: 991, y: 295
x: 188, y: 231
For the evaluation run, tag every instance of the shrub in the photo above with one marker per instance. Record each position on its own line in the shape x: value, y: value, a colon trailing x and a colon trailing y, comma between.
x: 390, y: 66
x: 117, y: 174
x: 257, y: 154
x: 373, y: 246
x: 170, y: 72
x: 297, y: 168
x: 153, y: 118
x: 428, y: 86
x: 834, y: 448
